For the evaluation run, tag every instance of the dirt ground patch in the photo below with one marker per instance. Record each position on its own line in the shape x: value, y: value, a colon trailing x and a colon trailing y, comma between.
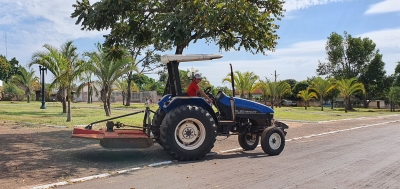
x: 33, y: 155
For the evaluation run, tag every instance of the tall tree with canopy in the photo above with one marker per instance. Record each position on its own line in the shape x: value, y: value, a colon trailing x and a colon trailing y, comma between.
x: 347, y: 56
x: 175, y: 24
x: 8, y: 68
x: 230, y: 24
x: 374, y: 79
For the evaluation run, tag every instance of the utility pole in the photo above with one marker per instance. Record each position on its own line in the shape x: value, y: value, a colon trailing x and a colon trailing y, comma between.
x: 41, y: 70
x: 273, y: 94
x: 275, y: 76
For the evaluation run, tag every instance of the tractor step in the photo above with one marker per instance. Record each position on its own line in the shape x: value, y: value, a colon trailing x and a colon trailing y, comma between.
x: 119, y: 138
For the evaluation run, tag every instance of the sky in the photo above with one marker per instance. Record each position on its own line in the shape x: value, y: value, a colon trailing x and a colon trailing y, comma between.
x: 25, y: 26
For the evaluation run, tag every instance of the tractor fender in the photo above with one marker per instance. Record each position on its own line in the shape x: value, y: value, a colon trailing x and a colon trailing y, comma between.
x: 281, y: 125
x: 167, y: 104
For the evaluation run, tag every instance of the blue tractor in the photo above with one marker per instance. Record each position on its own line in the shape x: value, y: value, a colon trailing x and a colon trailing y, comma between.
x: 187, y: 127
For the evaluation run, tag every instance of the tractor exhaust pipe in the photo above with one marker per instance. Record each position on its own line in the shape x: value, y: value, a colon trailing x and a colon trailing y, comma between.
x: 233, y: 82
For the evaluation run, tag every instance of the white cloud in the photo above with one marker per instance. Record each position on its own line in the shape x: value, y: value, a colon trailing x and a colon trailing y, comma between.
x: 31, y: 24
x: 298, y: 61
x: 384, y: 7
x: 291, y: 5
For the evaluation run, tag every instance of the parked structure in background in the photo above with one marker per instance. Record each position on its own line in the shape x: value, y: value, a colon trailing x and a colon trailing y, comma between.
x: 116, y: 96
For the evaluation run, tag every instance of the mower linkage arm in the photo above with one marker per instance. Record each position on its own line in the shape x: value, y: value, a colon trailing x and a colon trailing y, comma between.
x: 89, y: 127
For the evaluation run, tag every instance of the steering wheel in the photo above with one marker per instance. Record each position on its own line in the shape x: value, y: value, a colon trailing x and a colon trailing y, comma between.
x: 208, y: 91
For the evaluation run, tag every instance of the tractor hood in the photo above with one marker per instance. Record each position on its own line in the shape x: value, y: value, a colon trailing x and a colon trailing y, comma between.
x: 248, y: 106
x: 243, y: 105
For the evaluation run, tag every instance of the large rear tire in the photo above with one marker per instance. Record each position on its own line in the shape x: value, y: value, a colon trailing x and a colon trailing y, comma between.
x: 188, y: 133
x: 272, y: 141
x: 156, y: 122
x: 248, y: 141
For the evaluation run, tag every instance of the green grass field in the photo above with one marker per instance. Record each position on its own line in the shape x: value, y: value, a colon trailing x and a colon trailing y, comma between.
x: 83, y: 113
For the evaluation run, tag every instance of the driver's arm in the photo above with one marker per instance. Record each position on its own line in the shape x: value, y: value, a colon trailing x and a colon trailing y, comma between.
x: 204, y: 95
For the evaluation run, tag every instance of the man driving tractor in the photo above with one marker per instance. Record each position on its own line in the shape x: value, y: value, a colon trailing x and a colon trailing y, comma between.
x: 194, y: 88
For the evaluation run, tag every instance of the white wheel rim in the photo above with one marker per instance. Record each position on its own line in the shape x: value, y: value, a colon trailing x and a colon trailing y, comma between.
x: 275, y: 141
x: 190, y: 134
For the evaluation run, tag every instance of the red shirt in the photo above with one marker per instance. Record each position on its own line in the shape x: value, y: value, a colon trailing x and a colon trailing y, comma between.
x: 192, y: 89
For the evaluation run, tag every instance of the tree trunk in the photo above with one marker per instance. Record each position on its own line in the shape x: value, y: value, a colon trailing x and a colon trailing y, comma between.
x: 123, y: 98
x: 63, y: 100
x: 349, y: 105
x: 109, y: 101
x: 105, y: 108
x: 128, y: 91
x: 28, y: 96
x: 345, y: 105
x: 88, y: 92
x: 104, y: 99
x: 179, y: 49
x: 69, y: 104
x: 305, y: 105
x: 272, y: 103
x: 69, y: 115
x: 322, y: 104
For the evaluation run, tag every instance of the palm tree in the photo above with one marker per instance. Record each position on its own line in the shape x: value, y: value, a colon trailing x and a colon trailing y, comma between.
x: 282, y: 88
x: 244, y: 82
x: 250, y: 79
x: 108, y: 71
x: 394, y: 97
x: 263, y: 85
x: 27, y: 81
x: 347, y: 88
x: 306, y: 95
x: 122, y: 85
x: 274, y: 92
x: 322, y: 87
x: 65, y: 65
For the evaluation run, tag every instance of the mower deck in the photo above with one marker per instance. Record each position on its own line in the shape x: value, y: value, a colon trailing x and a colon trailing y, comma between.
x: 118, y: 138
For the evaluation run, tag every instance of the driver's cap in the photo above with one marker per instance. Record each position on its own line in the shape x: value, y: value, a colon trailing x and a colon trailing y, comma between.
x: 197, y: 76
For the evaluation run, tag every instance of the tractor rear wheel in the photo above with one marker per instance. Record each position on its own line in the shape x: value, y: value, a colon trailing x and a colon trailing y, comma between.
x: 188, y: 133
x: 249, y: 141
x: 272, y: 141
x: 156, y: 122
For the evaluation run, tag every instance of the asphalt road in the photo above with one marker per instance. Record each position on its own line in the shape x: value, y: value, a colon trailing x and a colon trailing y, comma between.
x: 367, y: 157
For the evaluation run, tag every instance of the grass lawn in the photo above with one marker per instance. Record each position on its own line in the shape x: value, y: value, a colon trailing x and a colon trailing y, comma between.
x: 315, y: 113
x: 83, y: 113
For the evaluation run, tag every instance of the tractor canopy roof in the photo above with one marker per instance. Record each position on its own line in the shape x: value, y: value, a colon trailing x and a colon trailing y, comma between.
x: 188, y: 57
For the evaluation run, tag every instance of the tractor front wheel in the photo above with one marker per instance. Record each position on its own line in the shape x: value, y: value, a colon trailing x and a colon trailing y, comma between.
x: 188, y: 132
x: 249, y: 141
x: 272, y: 141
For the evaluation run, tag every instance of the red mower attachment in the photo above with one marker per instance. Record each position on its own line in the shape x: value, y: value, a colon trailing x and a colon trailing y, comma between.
x: 117, y: 138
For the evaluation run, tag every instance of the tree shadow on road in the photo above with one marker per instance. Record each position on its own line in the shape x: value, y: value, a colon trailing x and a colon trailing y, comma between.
x: 32, y: 156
